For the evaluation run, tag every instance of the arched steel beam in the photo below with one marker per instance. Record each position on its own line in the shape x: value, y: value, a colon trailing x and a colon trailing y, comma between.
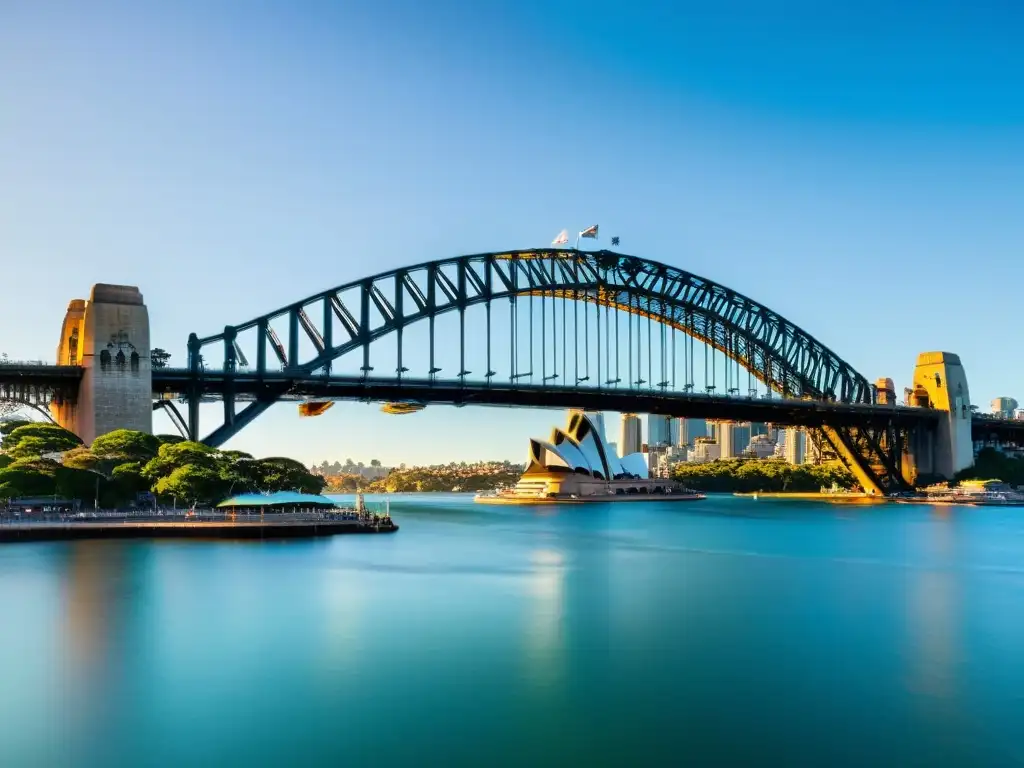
x: 699, y: 307
x: 175, y: 416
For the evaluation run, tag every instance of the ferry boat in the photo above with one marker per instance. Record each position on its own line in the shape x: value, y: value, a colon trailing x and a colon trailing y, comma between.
x: 972, y: 492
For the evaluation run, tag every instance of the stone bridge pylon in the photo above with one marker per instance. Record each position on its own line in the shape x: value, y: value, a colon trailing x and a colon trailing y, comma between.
x: 108, y: 336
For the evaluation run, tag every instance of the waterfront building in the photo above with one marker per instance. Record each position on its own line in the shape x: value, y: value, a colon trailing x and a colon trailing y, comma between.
x: 760, y: 447
x: 758, y: 428
x: 661, y: 461
x: 630, y: 434
x: 659, y: 430
x: 675, y: 429
x: 576, y: 463
x: 596, y: 418
x: 794, y: 449
x: 704, y: 449
x: 712, y: 429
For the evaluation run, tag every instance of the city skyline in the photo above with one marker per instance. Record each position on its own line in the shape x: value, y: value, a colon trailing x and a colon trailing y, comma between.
x: 227, y: 174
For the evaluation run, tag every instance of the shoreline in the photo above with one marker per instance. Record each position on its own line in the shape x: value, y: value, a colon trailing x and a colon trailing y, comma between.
x: 12, y: 532
x: 616, y: 499
x: 841, y: 498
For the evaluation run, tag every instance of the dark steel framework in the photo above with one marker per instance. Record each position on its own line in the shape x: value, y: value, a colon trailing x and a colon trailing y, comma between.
x: 36, y: 386
x: 774, y: 351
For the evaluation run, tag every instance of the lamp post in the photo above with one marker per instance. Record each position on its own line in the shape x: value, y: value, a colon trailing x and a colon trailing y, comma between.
x: 99, y: 476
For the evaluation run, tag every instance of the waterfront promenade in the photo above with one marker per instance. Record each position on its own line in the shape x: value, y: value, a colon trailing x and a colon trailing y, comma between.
x: 204, y: 524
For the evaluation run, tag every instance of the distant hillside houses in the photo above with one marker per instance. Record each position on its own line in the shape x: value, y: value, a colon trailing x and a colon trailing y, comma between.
x: 330, y: 470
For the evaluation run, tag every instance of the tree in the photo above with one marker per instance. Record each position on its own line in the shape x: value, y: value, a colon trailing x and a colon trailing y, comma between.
x: 30, y: 448
x: 243, y: 475
x: 126, y: 445
x: 158, y: 357
x: 170, y: 439
x: 8, y: 426
x: 236, y: 456
x: 173, y: 456
x: 191, y: 483
x: 48, y: 438
x: 281, y: 474
x: 374, y: 462
x: 128, y: 481
x: 28, y: 477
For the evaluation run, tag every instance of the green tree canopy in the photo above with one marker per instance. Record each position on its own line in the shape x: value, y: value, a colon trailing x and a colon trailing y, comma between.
x: 991, y: 464
x: 172, y: 456
x: 28, y: 477
x: 47, y: 438
x: 9, y: 425
x: 170, y: 439
x: 281, y: 474
x: 128, y: 481
x: 193, y: 484
x: 158, y: 357
x: 748, y: 475
x: 82, y: 458
x: 127, y: 445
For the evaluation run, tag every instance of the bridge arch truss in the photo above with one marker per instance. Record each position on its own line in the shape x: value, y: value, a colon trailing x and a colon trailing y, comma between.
x: 304, y: 341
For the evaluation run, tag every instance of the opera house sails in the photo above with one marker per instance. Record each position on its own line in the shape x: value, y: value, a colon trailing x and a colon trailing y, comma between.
x: 576, y: 464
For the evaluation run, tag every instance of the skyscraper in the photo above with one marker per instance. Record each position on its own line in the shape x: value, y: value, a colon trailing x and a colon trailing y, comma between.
x: 733, y: 438
x: 795, y: 445
x: 812, y: 453
x: 691, y: 429
x: 726, y: 448
x: 630, y: 434
x: 659, y: 431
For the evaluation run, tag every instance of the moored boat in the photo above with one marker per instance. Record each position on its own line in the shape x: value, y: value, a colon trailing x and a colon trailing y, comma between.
x: 982, y: 493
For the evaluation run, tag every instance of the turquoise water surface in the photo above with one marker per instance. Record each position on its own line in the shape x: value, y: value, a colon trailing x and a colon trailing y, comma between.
x: 651, y: 633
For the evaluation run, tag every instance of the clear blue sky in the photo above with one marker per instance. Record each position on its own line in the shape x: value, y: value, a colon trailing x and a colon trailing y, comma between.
x: 860, y: 171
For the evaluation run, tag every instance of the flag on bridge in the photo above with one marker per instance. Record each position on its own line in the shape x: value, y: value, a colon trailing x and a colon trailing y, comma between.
x: 562, y: 239
x: 590, y: 232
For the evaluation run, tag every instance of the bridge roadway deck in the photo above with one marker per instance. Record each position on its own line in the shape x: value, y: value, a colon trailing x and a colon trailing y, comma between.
x: 39, y: 373
x: 173, y: 382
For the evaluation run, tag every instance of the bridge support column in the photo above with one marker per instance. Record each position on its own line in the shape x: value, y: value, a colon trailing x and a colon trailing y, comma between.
x: 941, y: 383
x: 108, y: 335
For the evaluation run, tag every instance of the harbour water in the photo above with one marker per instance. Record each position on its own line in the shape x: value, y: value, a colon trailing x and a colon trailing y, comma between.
x: 715, y: 632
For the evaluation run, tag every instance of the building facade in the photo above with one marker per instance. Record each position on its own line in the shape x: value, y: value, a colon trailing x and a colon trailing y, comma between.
x: 659, y: 430
x: 630, y: 434
x: 690, y: 430
x: 733, y: 438
x: 704, y: 449
x: 794, y: 445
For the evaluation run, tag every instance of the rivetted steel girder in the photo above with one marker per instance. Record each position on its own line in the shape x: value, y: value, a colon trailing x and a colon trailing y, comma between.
x: 778, y: 352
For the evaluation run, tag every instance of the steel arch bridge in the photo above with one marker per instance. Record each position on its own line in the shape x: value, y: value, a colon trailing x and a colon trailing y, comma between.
x: 283, y: 353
